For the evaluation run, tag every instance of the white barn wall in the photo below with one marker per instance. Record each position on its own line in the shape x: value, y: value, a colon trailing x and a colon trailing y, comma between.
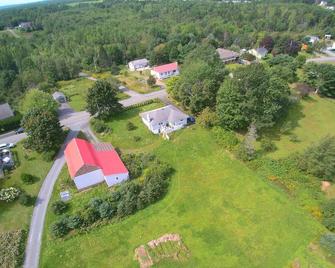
x: 116, y: 178
x: 89, y: 179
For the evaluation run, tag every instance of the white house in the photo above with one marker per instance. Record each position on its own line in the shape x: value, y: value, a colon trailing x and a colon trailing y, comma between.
x: 259, y: 53
x: 165, y: 71
x: 139, y: 64
x: 312, y: 39
x: 227, y: 56
x: 167, y: 119
x: 91, y: 164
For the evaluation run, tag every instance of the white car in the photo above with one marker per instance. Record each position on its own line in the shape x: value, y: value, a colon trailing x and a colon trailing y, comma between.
x: 7, y: 146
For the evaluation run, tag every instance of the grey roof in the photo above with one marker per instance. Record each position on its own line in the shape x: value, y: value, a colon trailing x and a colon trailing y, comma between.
x: 139, y: 62
x: 168, y: 113
x: 57, y: 95
x: 5, y: 111
x: 226, y: 53
x: 262, y: 51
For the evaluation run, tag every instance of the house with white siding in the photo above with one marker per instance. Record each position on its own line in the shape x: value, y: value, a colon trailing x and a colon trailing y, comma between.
x: 165, y: 71
x: 139, y: 64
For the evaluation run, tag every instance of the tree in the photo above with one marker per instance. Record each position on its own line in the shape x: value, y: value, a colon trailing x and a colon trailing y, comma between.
x: 25, y: 199
x: 319, y: 159
x: 43, y: 130
x: 35, y: 98
x: 28, y: 178
x: 107, y: 210
x: 267, y: 42
x: 207, y: 118
x: 9, y: 194
x: 60, y: 228
x: 102, y: 99
x: 151, y: 81
x: 292, y: 47
x: 251, y: 96
x: 59, y: 207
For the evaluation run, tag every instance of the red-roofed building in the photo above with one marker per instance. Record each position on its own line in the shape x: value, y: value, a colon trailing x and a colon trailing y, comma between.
x: 165, y: 71
x: 91, y: 164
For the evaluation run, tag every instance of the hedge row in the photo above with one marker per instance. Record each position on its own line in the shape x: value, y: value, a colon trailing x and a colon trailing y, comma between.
x: 10, y: 123
x: 12, y: 245
x: 141, y: 104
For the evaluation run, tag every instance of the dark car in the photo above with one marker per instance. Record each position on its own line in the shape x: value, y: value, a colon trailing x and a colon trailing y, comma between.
x: 19, y: 130
x: 190, y: 120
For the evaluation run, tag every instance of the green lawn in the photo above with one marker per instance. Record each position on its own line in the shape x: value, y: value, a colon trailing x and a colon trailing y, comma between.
x: 226, y: 214
x: 76, y: 91
x: 14, y: 216
x: 311, y: 119
x: 124, y: 139
x: 136, y: 81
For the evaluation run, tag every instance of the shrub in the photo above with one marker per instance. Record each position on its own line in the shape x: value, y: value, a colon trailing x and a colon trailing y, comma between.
x: 208, y: 118
x: 137, y: 138
x: 107, y: 210
x: 28, y: 178
x: 26, y: 200
x: 268, y: 145
x: 151, y: 81
x: 225, y: 138
x: 74, y: 222
x: 60, y: 228
x: 9, y: 194
x: 328, y: 241
x: 130, y: 126
x: 89, y: 215
x: 12, y: 246
x: 10, y: 123
x: 328, y: 212
x: 100, y: 126
x: 59, y: 207
x: 294, y: 138
x: 50, y: 155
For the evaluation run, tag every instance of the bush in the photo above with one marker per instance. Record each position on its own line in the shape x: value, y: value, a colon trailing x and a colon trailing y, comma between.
x: 107, y: 210
x: 328, y: 212
x: 137, y: 138
x: 60, y: 228
x: 130, y: 126
x: 12, y: 246
x: 49, y: 156
x: 208, y: 118
x: 151, y: 81
x: 28, y: 178
x: 100, y: 126
x: 328, y: 241
x: 10, y: 123
x: 268, y: 145
x: 9, y: 194
x: 294, y: 138
x: 26, y: 200
x: 74, y: 222
x: 59, y: 207
x: 225, y: 138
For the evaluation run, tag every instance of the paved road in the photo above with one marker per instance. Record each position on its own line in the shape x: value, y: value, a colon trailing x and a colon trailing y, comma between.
x: 11, y: 137
x: 322, y: 60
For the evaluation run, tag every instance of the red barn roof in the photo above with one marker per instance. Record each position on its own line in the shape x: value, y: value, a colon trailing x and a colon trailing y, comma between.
x: 166, y: 67
x: 81, y: 155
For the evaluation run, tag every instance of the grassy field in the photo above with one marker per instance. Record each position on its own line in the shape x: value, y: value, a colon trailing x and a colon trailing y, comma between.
x: 76, y: 91
x: 136, y: 81
x: 124, y: 139
x: 14, y: 215
x: 310, y: 120
x: 226, y: 214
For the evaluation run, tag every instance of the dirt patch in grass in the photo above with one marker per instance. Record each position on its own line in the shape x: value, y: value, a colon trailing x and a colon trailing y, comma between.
x: 168, y: 246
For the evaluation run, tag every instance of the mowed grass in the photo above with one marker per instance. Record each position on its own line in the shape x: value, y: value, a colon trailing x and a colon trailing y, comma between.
x: 311, y: 119
x: 14, y: 215
x: 76, y: 90
x: 226, y: 214
x: 126, y: 139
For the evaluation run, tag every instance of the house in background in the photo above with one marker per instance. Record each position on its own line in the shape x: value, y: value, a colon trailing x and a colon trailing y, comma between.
x: 227, y: 56
x: 91, y: 164
x: 59, y: 97
x: 165, y: 119
x: 138, y: 64
x: 26, y: 26
x: 259, y: 53
x: 165, y: 71
x: 5, y: 111
x: 312, y: 39
x: 328, y: 36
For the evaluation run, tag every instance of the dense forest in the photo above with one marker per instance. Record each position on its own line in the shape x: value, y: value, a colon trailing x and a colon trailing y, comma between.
x: 66, y: 38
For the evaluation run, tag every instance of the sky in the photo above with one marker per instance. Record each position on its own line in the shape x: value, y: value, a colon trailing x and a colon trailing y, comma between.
x: 16, y: 2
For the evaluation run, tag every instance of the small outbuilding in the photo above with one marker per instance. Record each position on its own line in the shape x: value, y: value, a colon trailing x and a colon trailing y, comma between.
x: 5, y: 111
x: 227, y: 56
x: 139, y: 64
x: 165, y: 119
x: 59, y: 97
x: 91, y: 164
x: 259, y: 53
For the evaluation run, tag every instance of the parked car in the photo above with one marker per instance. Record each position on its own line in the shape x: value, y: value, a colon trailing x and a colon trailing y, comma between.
x: 6, y: 146
x: 19, y: 130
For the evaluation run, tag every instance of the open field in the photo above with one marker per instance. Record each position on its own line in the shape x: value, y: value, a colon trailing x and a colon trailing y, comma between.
x: 122, y: 138
x: 15, y: 215
x: 310, y: 120
x: 76, y: 91
x: 136, y: 81
x: 226, y: 214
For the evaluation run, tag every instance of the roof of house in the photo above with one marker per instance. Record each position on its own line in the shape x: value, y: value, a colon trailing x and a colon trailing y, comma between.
x: 166, y: 67
x: 5, y: 111
x: 262, y: 51
x: 82, y: 157
x: 226, y: 53
x: 168, y: 113
x: 139, y: 62
x: 58, y: 94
